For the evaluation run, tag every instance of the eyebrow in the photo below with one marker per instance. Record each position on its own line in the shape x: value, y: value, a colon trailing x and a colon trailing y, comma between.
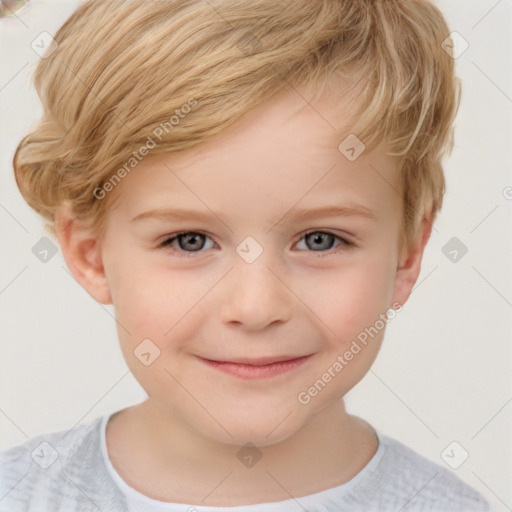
x: 349, y: 210
x: 293, y: 215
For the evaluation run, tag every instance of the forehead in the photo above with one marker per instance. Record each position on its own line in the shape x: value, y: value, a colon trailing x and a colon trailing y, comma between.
x: 284, y: 153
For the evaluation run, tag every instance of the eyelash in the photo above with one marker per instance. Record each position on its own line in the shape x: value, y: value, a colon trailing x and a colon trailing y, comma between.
x: 344, y: 244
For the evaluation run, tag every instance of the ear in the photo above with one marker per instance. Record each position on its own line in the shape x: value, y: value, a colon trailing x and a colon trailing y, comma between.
x: 409, y: 268
x: 82, y: 252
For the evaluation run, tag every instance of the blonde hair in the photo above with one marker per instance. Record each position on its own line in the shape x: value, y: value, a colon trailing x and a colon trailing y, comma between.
x: 123, y: 68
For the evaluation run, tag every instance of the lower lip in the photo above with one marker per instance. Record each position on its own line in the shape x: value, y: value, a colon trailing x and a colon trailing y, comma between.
x: 247, y: 371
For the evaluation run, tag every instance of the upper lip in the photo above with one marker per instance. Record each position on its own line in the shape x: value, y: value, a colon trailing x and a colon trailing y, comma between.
x: 258, y: 361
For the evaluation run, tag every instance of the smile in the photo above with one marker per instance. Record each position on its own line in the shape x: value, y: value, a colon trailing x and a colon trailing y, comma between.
x: 257, y: 368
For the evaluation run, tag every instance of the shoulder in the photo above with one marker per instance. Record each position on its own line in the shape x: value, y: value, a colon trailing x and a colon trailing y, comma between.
x: 54, y: 471
x: 423, y: 484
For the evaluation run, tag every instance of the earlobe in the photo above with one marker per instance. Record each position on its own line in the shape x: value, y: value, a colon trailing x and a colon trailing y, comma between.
x: 409, y: 269
x: 82, y: 253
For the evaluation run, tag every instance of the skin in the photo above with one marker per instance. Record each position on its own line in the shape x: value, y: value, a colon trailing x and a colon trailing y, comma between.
x: 302, y: 295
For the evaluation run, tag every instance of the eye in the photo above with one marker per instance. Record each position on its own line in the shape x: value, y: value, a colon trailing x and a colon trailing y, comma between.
x: 322, y: 241
x: 189, y: 242
x: 186, y: 243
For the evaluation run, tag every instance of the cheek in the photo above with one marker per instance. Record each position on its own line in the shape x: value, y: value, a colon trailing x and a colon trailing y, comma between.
x: 351, y: 299
x: 159, y: 303
x: 349, y: 303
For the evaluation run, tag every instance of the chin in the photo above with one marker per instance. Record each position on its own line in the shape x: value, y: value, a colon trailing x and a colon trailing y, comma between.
x: 258, y: 429
x: 249, y: 434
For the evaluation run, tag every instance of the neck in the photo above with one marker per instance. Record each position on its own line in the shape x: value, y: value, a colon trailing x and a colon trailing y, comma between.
x: 333, y: 446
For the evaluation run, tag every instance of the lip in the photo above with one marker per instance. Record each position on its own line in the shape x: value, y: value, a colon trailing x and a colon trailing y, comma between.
x: 259, y: 368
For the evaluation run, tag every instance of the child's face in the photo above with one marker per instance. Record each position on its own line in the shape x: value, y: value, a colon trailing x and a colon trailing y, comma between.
x: 302, y: 296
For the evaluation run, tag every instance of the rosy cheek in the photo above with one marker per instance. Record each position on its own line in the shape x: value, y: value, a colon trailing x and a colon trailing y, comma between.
x: 356, y: 306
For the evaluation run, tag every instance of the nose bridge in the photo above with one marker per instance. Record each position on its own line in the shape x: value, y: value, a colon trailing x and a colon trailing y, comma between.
x: 256, y: 297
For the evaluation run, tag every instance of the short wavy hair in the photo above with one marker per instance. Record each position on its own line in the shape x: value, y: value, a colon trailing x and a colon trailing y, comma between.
x: 124, y: 67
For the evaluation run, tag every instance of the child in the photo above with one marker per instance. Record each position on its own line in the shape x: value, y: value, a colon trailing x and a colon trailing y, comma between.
x: 252, y: 131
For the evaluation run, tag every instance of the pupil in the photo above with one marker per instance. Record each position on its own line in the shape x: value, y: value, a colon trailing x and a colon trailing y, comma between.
x: 192, y: 239
x: 320, y: 238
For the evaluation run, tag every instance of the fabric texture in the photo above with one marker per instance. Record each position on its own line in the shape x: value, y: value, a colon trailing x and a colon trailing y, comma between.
x: 70, y: 471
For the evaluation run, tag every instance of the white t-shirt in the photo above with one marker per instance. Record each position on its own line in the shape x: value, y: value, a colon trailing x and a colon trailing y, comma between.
x: 70, y: 471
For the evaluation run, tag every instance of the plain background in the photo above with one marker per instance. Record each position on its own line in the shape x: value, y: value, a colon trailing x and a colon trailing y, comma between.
x: 444, y: 372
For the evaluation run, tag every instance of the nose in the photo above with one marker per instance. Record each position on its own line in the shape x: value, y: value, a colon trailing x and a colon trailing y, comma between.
x: 256, y: 296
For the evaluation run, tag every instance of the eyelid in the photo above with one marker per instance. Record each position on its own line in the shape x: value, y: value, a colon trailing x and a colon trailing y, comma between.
x: 345, y: 236
x: 167, y: 239
x: 344, y: 243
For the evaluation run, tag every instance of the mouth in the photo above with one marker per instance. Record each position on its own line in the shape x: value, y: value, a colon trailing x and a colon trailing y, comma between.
x: 257, y: 368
